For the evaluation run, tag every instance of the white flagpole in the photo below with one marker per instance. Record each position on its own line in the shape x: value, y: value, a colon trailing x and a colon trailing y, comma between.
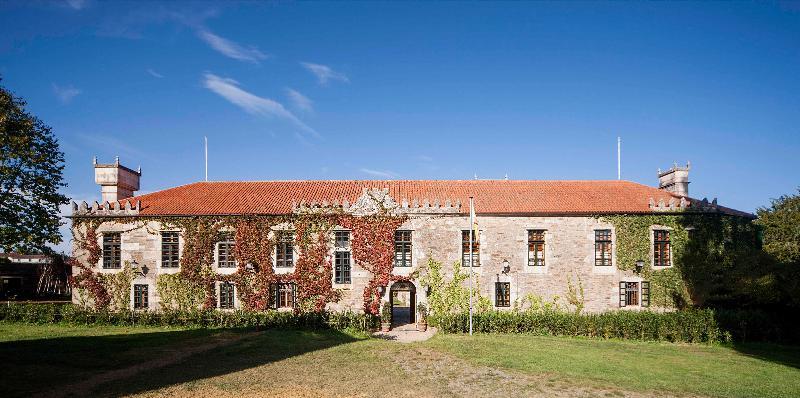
x: 471, y: 232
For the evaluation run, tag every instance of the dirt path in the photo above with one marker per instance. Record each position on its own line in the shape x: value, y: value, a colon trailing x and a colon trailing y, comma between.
x: 175, y: 355
x: 459, y: 378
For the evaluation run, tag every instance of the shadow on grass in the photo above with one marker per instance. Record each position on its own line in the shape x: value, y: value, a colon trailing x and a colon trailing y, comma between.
x: 787, y: 355
x: 118, y: 365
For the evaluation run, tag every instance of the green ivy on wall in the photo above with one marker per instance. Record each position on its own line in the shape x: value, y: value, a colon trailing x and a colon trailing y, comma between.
x: 708, y: 252
x: 179, y: 293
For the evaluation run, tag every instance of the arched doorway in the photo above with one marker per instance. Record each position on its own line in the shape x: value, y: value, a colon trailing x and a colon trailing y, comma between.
x: 402, y: 299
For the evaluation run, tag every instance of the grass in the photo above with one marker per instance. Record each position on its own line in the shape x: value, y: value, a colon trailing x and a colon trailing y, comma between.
x: 119, y: 361
x: 761, y: 370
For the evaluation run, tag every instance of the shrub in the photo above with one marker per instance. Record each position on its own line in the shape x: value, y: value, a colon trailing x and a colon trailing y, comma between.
x: 692, y: 326
x: 70, y: 314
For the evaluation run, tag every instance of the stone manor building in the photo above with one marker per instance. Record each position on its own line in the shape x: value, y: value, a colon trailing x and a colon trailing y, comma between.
x: 534, y: 235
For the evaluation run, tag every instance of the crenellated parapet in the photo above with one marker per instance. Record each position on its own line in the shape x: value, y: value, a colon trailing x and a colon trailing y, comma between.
x: 123, y: 208
x: 378, y: 201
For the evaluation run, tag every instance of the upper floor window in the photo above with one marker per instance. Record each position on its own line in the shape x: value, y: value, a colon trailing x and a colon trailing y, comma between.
x: 661, y: 245
x: 502, y: 294
x: 140, y: 297
x: 402, y: 248
x: 476, y: 249
x: 282, y: 295
x: 169, y: 249
x: 284, y: 249
x: 225, y: 257
x: 341, y: 258
x: 536, y: 247
x: 634, y: 294
x: 341, y: 240
x: 602, y: 247
x: 111, y: 250
x: 226, y: 290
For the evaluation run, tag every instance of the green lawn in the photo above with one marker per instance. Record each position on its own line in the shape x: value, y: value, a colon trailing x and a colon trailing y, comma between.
x: 121, y: 361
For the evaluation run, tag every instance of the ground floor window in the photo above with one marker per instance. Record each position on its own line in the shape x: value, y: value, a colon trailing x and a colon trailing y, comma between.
x: 634, y: 294
x: 140, y: 299
x: 502, y: 294
x: 226, y: 291
x: 341, y: 267
x: 283, y: 295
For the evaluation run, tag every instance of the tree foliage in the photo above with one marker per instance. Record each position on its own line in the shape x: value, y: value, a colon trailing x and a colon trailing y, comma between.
x: 31, y: 166
x: 781, y: 224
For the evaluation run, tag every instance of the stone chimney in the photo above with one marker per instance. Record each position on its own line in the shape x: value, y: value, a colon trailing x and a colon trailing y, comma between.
x: 116, y: 181
x: 675, y: 180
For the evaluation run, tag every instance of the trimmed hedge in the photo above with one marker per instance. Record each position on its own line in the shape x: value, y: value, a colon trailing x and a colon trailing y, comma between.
x: 74, y: 315
x: 692, y: 326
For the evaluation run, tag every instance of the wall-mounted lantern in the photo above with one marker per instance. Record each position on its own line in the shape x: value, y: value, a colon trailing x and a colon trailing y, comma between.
x: 142, y: 271
x: 639, y: 265
x: 506, y: 266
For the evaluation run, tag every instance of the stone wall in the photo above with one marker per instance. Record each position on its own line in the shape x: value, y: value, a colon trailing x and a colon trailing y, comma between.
x: 569, y: 253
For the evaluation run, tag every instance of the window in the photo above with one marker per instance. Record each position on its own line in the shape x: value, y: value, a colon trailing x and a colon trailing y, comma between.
x: 536, y: 248
x: 630, y: 295
x: 342, y: 240
x: 140, y: 299
x: 226, y: 295
x: 225, y: 255
x: 284, y: 249
x: 282, y: 295
x: 169, y: 249
x: 402, y: 248
x: 661, y: 257
x: 111, y: 251
x: 602, y: 247
x: 341, y: 257
x: 476, y: 249
x: 502, y: 294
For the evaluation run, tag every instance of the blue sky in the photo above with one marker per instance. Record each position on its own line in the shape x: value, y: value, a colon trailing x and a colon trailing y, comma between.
x: 416, y: 90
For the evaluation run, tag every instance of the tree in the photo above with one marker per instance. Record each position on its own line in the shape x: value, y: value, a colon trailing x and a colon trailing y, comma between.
x: 781, y: 224
x: 31, y: 166
x: 781, y: 227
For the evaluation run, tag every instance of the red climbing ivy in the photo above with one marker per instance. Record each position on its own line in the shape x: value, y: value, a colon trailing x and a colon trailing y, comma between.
x: 372, y: 243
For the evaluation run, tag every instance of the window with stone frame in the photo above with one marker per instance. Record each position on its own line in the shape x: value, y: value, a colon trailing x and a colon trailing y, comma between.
x: 341, y: 257
x: 402, y: 248
x: 634, y: 294
x: 284, y: 249
x: 536, y: 247
x: 661, y: 249
x: 170, y: 253
x: 226, y: 295
x: 112, y: 245
x: 225, y: 257
x: 140, y: 296
x: 602, y: 247
x: 476, y: 248
x: 283, y: 295
x: 502, y: 294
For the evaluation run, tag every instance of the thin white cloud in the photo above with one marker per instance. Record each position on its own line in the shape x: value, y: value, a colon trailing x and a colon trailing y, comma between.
x: 154, y: 73
x: 324, y: 73
x: 65, y: 94
x: 231, y: 49
x: 251, y: 103
x: 379, y: 173
x: 300, y: 101
x: 76, y: 4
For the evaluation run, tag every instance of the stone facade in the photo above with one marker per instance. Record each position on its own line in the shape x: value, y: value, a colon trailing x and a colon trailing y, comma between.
x: 569, y: 254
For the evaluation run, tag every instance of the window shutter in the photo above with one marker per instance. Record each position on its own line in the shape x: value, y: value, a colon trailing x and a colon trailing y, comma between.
x: 645, y: 294
x: 294, y: 295
x: 622, y: 300
x: 273, y: 294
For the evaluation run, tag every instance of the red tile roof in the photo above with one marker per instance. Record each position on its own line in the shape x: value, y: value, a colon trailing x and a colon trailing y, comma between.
x: 491, y: 196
